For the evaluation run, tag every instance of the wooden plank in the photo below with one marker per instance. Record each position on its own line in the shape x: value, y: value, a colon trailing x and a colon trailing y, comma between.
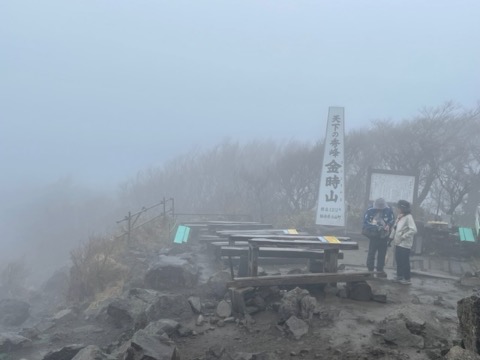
x: 209, y: 238
x: 226, y: 243
x: 213, y: 228
x: 300, y: 279
x: 345, y: 245
x: 276, y: 252
x: 240, y: 237
x: 194, y: 225
x: 230, y: 222
x: 226, y: 233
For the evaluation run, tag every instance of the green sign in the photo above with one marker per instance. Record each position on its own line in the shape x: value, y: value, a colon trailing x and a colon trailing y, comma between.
x: 182, y: 234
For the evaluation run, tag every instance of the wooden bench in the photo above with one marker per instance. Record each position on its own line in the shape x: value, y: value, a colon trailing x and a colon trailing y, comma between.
x: 232, y: 238
x: 213, y: 227
x: 299, y: 279
x: 223, y: 248
x: 293, y: 253
x: 240, y: 250
x: 331, y: 251
x: 315, y: 258
x: 227, y: 233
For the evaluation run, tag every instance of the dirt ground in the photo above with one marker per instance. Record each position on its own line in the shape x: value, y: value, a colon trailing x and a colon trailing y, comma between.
x: 341, y: 329
x: 347, y: 328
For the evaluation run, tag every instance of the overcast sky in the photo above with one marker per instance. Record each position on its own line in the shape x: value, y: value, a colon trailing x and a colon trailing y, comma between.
x: 101, y: 89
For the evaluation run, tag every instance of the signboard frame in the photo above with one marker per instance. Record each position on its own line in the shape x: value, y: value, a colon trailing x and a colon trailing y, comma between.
x: 370, y: 197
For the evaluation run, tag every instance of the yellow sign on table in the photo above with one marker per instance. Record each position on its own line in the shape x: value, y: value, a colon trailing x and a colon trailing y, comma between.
x: 332, y: 239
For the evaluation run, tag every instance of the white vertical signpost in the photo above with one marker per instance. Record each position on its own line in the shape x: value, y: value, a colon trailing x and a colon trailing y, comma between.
x: 331, y: 196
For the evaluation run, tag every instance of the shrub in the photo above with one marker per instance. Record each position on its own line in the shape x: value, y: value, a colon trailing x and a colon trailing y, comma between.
x: 94, y: 268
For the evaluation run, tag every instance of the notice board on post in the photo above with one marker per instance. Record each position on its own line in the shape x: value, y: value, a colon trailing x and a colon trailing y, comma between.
x: 392, y: 186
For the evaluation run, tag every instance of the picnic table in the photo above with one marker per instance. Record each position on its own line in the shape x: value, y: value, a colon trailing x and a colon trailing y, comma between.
x: 331, y: 247
x: 232, y: 238
x: 308, y: 246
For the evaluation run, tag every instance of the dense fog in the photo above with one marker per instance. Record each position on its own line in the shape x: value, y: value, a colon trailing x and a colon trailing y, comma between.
x: 107, y: 107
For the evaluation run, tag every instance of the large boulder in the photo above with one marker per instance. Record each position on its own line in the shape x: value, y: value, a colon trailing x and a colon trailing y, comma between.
x: 397, y: 332
x: 217, y: 283
x: 216, y: 352
x: 298, y: 303
x: 359, y: 290
x: 162, y: 326
x: 10, y: 342
x: 458, y: 353
x: 468, y: 311
x: 308, y: 307
x: 127, y: 312
x: 171, y: 272
x: 65, y: 316
x: 65, y: 353
x: 254, y: 356
x: 196, y: 304
x: 413, y: 327
x: 167, y: 305
x: 137, y: 307
x: 224, y: 309
x: 92, y: 352
x: 148, y: 346
x: 297, y: 327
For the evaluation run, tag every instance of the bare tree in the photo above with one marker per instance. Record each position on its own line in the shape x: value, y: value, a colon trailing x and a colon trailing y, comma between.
x: 298, y: 171
x: 426, y: 143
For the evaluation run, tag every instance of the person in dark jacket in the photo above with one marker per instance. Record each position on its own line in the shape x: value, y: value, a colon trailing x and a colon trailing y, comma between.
x: 377, y: 223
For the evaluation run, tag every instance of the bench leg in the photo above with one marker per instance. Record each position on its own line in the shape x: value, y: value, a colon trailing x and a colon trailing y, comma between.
x: 330, y: 264
x: 331, y: 261
x: 230, y: 262
x: 253, y: 260
x: 243, y: 266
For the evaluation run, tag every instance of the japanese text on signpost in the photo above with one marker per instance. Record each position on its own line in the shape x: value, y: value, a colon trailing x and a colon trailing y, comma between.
x: 331, y: 196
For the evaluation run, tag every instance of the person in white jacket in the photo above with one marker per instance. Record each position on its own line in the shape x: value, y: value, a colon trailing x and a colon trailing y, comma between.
x: 402, y: 236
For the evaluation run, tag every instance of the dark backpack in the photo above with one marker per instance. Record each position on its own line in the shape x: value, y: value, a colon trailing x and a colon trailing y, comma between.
x: 375, y: 232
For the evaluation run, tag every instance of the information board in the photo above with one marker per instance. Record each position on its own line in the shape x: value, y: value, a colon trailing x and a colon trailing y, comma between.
x: 392, y: 187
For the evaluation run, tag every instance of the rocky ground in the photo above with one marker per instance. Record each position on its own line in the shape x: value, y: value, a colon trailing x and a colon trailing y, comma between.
x: 177, y: 307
